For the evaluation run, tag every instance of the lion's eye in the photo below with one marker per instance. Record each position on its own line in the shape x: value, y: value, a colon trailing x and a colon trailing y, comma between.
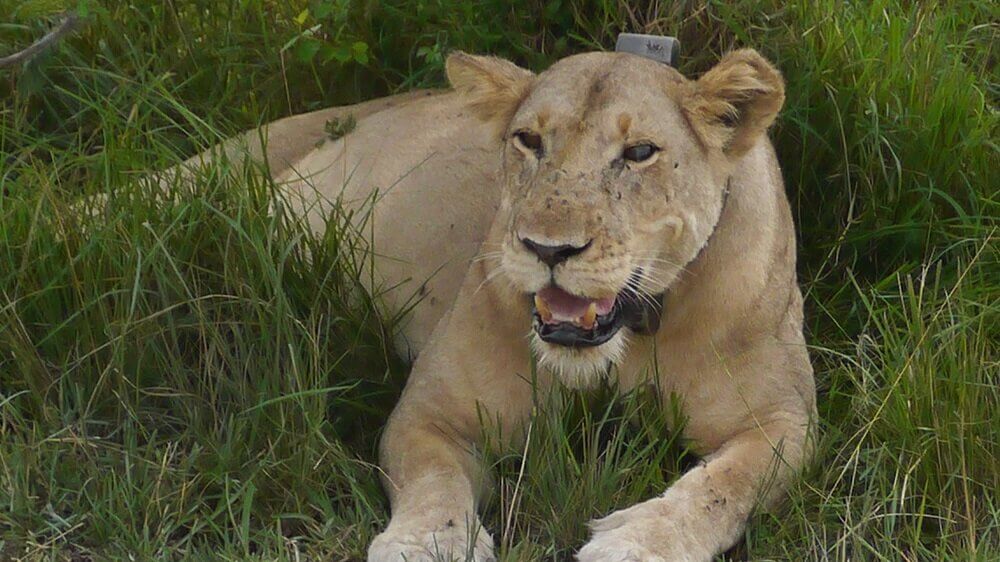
x: 640, y: 152
x: 530, y: 140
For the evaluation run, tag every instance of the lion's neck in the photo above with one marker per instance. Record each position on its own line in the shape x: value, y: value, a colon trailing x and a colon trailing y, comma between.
x: 746, y: 256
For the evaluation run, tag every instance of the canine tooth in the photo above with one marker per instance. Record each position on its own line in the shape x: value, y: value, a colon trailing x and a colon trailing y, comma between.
x: 589, y: 317
x: 543, y: 309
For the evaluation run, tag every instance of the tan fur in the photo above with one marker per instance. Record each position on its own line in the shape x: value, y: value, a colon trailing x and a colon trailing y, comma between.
x: 492, y: 87
x: 707, y: 219
x: 743, y: 88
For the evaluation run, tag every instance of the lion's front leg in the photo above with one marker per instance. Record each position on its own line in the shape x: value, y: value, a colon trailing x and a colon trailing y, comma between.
x: 432, y: 478
x: 472, y: 373
x: 705, y: 511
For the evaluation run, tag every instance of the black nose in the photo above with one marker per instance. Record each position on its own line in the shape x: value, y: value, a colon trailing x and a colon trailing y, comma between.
x: 553, y: 255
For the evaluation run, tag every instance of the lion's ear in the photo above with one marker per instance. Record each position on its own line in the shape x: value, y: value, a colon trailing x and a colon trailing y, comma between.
x: 732, y: 104
x: 493, y: 86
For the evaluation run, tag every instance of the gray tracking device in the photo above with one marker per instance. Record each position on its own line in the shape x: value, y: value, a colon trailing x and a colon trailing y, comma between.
x: 657, y: 47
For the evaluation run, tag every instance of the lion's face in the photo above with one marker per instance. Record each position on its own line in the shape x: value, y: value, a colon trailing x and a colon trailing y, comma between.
x: 615, y: 172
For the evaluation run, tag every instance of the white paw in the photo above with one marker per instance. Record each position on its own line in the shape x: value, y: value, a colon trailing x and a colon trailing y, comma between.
x: 622, y: 517
x: 609, y: 548
x: 449, y: 542
x: 641, y: 533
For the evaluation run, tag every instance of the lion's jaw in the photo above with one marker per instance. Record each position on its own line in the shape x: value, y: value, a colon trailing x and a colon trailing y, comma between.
x: 633, y: 226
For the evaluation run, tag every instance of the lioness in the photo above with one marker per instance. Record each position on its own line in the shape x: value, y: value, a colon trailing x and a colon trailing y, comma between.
x: 553, y: 217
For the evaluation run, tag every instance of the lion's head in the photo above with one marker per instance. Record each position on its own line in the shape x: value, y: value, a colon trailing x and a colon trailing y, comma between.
x: 615, y: 173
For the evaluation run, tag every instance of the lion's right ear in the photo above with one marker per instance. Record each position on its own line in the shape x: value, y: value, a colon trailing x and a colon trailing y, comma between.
x: 493, y: 86
x: 733, y: 103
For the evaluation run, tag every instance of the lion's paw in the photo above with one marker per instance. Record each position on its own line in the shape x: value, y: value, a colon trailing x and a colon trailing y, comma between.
x: 624, y: 517
x: 446, y: 543
x: 640, y: 533
x: 610, y: 548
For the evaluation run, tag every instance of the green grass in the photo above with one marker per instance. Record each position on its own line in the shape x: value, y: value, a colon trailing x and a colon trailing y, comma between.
x: 179, y: 381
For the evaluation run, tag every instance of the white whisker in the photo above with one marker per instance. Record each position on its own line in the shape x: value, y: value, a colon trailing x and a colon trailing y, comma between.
x: 647, y: 285
x: 644, y: 297
x: 644, y: 286
x: 662, y: 260
x: 486, y: 256
x: 489, y: 277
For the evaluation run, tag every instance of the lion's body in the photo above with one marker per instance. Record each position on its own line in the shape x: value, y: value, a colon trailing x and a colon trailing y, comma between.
x: 730, y: 342
x: 434, y: 180
x: 423, y: 200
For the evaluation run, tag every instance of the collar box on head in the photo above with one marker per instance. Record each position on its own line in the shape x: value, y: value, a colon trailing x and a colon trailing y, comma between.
x: 660, y: 48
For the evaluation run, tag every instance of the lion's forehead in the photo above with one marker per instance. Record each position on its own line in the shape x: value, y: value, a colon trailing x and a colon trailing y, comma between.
x: 589, y: 81
x: 611, y: 64
x: 603, y: 96
x: 588, y: 108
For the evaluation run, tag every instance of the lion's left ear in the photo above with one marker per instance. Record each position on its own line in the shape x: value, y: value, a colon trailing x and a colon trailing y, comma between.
x: 732, y: 104
x: 494, y: 87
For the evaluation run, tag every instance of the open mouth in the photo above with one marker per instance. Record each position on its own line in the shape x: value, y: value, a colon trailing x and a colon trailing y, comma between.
x: 562, y: 318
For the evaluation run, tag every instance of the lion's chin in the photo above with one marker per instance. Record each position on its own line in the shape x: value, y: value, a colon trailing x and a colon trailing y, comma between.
x: 579, y: 367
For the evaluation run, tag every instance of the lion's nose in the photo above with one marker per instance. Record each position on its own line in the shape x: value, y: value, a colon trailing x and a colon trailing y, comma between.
x: 553, y: 255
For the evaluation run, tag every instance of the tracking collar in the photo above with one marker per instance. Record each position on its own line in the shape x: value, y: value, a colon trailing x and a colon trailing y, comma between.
x: 661, y: 48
